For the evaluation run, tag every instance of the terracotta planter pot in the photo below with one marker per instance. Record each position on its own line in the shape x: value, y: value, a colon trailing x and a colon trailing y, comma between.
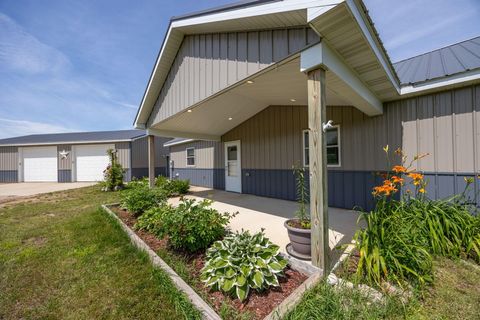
x: 300, y: 239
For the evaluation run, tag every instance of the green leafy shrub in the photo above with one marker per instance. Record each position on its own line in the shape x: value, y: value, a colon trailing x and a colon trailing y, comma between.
x: 138, y: 197
x: 242, y: 262
x: 113, y: 174
x: 151, y: 220
x: 172, y: 187
x: 401, y: 235
x: 180, y: 186
x: 194, y: 226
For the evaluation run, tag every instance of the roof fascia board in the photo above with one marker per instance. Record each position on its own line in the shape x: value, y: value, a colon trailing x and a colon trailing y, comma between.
x: 315, y: 12
x: 371, y: 39
x: 453, y: 80
x: 168, y: 133
x: 254, y: 10
x: 141, y: 110
x: 321, y: 55
x: 168, y: 144
x: 64, y: 142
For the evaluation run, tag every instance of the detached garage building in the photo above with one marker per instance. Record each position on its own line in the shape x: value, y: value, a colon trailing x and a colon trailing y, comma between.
x: 81, y: 156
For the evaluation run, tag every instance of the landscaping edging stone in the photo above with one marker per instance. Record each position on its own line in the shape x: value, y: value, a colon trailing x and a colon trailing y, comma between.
x: 195, y: 299
x: 313, y: 273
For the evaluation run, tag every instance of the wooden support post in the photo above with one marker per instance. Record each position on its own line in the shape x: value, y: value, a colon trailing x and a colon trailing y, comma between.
x: 151, y: 161
x: 317, y: 115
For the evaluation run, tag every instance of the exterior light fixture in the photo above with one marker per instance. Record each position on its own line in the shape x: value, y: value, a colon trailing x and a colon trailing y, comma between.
x: 189, y: 110
x: 293, y: 100
x: 230, y: 118
x: 250, y: 81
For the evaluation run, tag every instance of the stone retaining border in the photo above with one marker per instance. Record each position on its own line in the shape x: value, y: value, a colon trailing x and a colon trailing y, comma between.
x: 313, y: 273
x: 207, y: 312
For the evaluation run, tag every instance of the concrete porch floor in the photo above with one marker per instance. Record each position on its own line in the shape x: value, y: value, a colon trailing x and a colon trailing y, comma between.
x: 255, y: 213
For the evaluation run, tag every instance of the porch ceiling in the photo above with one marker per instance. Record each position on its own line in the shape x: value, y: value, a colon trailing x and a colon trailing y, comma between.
x: 278, y: 85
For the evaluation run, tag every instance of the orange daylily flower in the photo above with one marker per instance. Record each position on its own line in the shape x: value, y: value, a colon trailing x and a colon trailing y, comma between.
x: 386, y: 189
x: 399, y: 169
x: 397, y: 180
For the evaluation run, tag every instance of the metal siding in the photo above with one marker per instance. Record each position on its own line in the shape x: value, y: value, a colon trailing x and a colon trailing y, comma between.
x: 8, y: 158
x: 123, y: 154
x: 210, y: 178
x: 206, y: 64
x: 139, y: 153
x: 64, y: 164
x: 8, y: 164
x: 441, y: 124
x: 208, y: 155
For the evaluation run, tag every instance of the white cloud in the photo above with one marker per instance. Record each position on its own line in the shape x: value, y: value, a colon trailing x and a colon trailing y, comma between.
x: 21, y: 51
x: 12, y: 128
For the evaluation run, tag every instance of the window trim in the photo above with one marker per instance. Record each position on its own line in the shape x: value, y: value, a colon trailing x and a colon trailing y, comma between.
x: 194, y: 157
x: 339, y: 146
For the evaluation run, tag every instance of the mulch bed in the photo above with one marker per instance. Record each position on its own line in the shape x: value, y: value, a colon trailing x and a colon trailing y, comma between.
x: 258, y: 304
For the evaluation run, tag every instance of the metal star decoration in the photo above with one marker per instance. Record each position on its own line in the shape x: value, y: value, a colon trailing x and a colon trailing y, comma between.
x: 64, y: 154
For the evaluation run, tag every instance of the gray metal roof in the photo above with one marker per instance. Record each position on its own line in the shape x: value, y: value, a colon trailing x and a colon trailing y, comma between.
x: 454, y: 59
x: 74, y: 137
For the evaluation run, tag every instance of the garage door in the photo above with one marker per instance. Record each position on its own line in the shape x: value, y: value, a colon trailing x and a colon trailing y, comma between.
x: 40, y: 164
x: 91, y: 161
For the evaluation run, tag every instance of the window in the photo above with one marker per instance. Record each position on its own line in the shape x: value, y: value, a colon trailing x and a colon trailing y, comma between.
x: 190, y: 156
x: 333, y: 147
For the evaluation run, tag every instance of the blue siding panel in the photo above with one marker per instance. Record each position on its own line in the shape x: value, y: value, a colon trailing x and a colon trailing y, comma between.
x: 65, y: 175
x: 8, y: 176
x: 210, y: 178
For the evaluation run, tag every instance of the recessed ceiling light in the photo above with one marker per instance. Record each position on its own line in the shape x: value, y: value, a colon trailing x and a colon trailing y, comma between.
x: 293, y: 100
x: 189, y: 110
x: 250, y: 81
x: 230, y: 118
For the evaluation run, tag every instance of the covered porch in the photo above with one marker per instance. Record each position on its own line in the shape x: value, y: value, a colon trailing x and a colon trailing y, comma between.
x: 344, y: 72
x: 255, y: 213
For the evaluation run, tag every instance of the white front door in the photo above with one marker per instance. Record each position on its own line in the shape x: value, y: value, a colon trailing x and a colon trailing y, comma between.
x: 40, y: 164
x: 233, y: 167
x: 91, y: 160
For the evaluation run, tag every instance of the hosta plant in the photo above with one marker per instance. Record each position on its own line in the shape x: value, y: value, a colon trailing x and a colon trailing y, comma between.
x: 241, y: 262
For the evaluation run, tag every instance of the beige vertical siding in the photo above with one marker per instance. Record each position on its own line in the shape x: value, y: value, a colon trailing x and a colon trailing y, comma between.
x: 208, y: 155
x: 8, y: 158
x: 206, y: 64
x: 64, y: 164
x: 444, y: 124
x: 139, y: 152
x: 123, y: 154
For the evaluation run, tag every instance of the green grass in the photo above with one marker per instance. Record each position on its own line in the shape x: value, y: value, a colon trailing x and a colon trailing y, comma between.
x: 62, y: 257
x: 454, y: 294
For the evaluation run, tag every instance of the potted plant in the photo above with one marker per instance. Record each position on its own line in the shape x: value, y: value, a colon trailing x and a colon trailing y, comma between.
x: 298, y: 228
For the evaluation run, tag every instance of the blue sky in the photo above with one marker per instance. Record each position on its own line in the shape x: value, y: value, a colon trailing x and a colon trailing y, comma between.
x: 84, y: 65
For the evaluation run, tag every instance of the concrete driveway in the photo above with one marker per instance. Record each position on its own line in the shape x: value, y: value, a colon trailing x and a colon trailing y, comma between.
x: 26, y: 189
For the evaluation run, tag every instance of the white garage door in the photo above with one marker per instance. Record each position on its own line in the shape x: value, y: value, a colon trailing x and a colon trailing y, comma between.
x: 91, y: 161
x: 40, y: 164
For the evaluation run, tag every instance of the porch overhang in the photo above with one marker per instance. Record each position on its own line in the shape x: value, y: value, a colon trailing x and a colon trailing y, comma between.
x: 352, y: 88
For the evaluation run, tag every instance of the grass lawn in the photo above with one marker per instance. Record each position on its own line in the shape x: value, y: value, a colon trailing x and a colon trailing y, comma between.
x: 455, y: 294
x: 61, y: 257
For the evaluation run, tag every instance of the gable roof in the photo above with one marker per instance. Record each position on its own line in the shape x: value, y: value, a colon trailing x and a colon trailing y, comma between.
x: 447, y: 61
x: 73, y: 137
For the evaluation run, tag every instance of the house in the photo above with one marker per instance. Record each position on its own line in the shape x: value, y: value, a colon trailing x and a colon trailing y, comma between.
x: 244, y: 77
x: 80, y: 156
